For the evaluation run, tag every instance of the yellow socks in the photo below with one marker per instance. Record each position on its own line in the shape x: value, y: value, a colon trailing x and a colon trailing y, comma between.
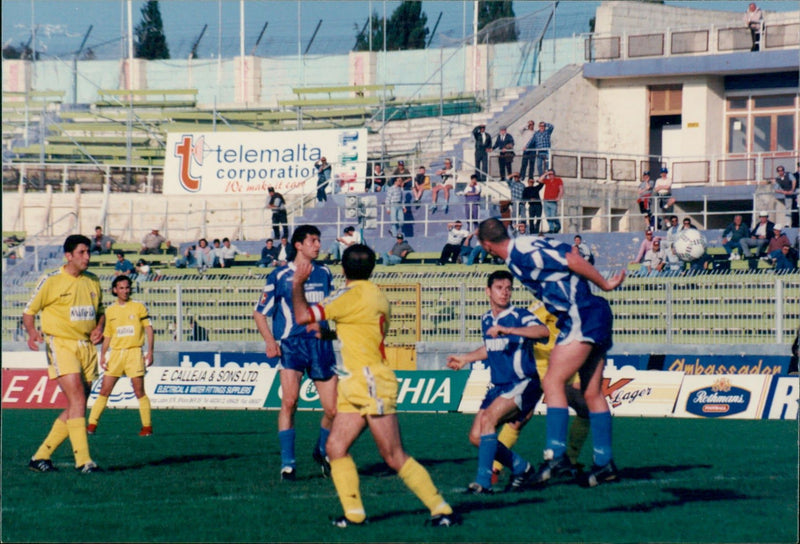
x: 144, y: 411
x: 97, y: 409
x: 79, y: 440
x: 345, y: 478
x: 419, y: 482
x: 58, y: 433
x: 578, y: 433
x: 507, y: 436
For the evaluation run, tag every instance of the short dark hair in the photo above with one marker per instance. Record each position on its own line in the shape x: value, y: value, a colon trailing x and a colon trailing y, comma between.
x: 226, y: 239
x: 118, y: 279
x: 358, y: 262
x: 492, y: 230
x: 498, y: 275
x: 298, y: 236
x: 74, y: 240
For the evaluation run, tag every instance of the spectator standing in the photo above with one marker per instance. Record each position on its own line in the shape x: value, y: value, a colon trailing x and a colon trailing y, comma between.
x: 123, y: 267
x: 760, y: 236
x: 732, y: 235
x: 786, y: 192
x: 540, y: 144
x: 583, y: 248
x: 753, y: 18
x: 528, y: 154
x: 72, y: 320
x: 457, y: 236
x: 323, y: 175
x: 553, y: 192
x: 101, y: 244
x: 516, y: 188
x: 644, y: 199
x: 199, y: 333
x: 151, y: 243
x: 447, y: 184
x: 269, y: 254
x: 403, y: 175
x: 395, y: 200
x: 227, y: 253
x: 421, y: 182
x: 483, y: 145
x: 532, y: 195
x: 795, y: 222
x: 663, y: 191
x: 504, y: 144
x: 399, y: 251
x: 472, y: 198
x: 278, y: 206
x: 349, y: 237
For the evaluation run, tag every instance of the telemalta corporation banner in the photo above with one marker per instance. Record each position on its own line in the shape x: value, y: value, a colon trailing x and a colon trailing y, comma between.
x: 239, y: 163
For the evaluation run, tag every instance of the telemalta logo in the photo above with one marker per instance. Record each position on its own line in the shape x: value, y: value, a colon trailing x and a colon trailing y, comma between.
x: 720, y: 399
x: 187, y: 153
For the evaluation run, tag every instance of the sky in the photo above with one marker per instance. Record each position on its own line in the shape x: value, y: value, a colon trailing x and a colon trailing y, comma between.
x: 62, y: 24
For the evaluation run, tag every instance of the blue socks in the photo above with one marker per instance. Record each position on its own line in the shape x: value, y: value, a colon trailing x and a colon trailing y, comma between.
x: 510, y: 459
x: 323, y: 438
x: 556, y: 424
x: 286, y: 439
x: 600, y: 423
x: 486, y: 453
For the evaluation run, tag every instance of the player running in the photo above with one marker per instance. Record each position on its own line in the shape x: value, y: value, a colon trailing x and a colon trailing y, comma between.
x: 127, y: 324
x: 302, y: 348
x: 367, y: 395
x: 508, y: 335
x: 560, y: 278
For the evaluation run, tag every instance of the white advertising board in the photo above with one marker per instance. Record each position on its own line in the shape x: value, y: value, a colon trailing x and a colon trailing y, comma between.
x: 239, y: 163
x: 729, y: 397
x: 225, y: 388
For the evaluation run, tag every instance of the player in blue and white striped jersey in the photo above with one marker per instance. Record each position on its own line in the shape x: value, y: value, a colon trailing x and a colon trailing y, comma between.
x: 302, y: 348
x: 508, y: 336
x: 559, y: 277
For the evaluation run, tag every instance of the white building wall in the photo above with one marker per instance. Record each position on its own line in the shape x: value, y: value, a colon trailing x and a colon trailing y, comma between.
x: 622, y: 122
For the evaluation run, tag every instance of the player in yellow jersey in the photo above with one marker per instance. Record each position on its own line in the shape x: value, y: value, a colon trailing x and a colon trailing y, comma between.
x: 367, y: 390
x: 71, y: 304
x: 127, y: 323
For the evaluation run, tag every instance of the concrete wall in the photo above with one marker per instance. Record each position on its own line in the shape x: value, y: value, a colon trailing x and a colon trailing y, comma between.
x: 621, y: 122
x: 625, y: 17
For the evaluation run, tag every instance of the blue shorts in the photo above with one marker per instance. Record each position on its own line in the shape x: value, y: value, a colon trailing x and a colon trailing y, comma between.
x: 590, y: 322
x: 310, y: 355
x: 525, y: 395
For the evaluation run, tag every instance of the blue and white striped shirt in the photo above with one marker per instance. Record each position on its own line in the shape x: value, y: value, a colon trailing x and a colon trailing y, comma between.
x: 510, y: 356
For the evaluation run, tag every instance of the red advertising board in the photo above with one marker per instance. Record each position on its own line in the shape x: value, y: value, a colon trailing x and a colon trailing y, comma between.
x: 30, y: 388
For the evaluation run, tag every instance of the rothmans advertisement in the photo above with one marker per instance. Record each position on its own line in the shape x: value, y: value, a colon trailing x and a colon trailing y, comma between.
x: 239, y: 163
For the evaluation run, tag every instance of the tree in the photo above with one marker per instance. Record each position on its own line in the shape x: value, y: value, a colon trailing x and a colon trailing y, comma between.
x: 405, y: 29
x: 499, y: 31
x: 150, y: 40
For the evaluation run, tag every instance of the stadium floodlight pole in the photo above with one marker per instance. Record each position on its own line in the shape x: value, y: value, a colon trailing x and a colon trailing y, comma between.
x: 475, y: 48
x: 258, y: 41
x: 314, y: 35
x: 75, y: 66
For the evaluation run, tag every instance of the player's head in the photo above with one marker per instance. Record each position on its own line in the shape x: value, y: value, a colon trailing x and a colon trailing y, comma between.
x: 115, y: 284
x: 358, y: 261
x: 305, y: 240
x: 76, y: 251
x: 499, y: 286
x: 74, y: 240
x: 492, y: 230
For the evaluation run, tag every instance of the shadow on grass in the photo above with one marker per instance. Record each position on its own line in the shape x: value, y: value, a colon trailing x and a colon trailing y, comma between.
x: 649, y: 473
x: 382, y: 469
x: 682, y: 496
x: 173, y: 460
x: 466, y: 507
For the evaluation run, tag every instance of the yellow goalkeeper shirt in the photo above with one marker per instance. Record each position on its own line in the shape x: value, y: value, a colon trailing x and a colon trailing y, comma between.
x: 70, y: 306
x: 361, y: 313
x: 125, y: 325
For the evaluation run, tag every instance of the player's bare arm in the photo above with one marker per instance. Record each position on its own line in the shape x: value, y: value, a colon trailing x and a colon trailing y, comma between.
x: 534, y: 331
x: 34, y: 336
x: 103, y: 351
x: 457, y: 362
x: 96, y: 336
x: 148, y: 358
x: 584, y: 268
x: 273, y: 349
x: 302, y: 314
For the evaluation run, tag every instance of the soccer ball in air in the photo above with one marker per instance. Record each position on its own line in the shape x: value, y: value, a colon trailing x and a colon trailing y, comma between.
x: 690, y: 245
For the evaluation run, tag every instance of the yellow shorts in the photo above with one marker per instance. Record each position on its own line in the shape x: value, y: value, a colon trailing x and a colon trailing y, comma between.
x: 125, y: 362
x: 71, y: 357
x: 541, y: 352
x: 372, y: 392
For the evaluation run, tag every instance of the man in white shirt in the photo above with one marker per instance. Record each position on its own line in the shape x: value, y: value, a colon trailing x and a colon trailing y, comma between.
x: 457, y: 236
x: 350, y: 237
x: 227, y: 252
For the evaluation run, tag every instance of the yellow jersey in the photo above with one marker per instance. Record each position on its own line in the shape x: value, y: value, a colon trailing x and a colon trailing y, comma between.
x: 70, y: 306
x: 361, y: 313
x: 125, y: 325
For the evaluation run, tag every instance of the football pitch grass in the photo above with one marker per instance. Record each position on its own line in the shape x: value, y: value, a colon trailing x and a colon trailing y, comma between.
x: 213, y: 476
